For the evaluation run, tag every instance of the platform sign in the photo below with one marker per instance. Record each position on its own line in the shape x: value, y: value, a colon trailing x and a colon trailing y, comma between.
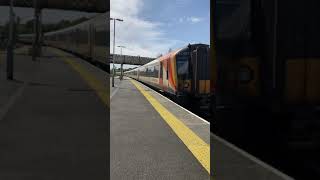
x: 98, y: 6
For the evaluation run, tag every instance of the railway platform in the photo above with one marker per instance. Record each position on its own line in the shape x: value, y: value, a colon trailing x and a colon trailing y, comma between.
x: 153, y: 138
x: 231, y: 163
x: 53, y: 118
x: 54, y: 125
x: 146, y: 143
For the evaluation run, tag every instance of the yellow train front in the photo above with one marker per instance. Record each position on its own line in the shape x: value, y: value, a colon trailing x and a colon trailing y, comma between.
x: 268, y: 72
x: 183, y: 74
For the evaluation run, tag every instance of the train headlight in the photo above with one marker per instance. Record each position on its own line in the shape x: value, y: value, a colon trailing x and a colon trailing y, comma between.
x: 245, y: 74
x: 186, y: 85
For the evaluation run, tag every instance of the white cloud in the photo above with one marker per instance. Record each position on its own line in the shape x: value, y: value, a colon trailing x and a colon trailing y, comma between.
x: 141, y: 37
x: 191, y: 20
x: 194, y: 19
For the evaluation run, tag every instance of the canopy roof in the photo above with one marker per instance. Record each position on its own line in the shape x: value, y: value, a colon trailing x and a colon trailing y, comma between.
x: 98, y: 6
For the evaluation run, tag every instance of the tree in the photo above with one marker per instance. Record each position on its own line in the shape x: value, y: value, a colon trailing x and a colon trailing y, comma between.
x: 159, y: 55
x: 27, y: 28
x: 80, y: 20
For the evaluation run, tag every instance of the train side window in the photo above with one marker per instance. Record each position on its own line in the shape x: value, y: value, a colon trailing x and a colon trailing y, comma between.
x: 167, y: 70
x: 161, y: 69
x: 150, y: 71
x: 154, y: 71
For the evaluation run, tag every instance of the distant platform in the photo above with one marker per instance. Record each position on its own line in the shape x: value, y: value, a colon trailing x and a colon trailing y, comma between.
x: 53, y: 118
x: 54, y: 124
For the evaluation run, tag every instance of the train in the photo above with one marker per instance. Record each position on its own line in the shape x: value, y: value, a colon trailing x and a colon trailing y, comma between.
x: 183, y: 74
x: 89, y: 39
x: 267, y: 69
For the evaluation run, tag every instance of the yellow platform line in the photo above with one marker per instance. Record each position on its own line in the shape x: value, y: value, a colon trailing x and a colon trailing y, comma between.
x: 90, y: 79
x: 199, y: 148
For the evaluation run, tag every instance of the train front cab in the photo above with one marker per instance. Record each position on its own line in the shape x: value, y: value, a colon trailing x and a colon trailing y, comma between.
x: 185, y: 75
x: 268, y: 65
x: 200, y: 69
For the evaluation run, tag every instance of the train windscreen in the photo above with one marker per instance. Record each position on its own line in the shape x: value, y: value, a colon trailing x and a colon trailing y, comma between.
x: 233, y: 27
x: 183, y: 65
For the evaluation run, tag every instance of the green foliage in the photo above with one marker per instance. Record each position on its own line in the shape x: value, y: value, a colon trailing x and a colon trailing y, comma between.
x: 63, y: 24
x: 27, y: 28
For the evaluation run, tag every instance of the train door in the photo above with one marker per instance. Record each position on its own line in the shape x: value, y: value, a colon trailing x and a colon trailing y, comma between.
x: 161, y: 75
x: 166, y: 81
x: 298, y: 53
x: 201, y: 73
x: 237, y: 45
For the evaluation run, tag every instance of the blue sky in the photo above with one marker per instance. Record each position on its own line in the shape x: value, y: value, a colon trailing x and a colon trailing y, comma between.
x: 151, y: 27
x: 186, y: 20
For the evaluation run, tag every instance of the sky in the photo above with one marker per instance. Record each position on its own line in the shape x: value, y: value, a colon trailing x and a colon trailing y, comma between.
x: 152, y: 27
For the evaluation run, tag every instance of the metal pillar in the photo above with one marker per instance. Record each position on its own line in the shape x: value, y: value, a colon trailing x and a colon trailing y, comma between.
x: 40, y: 35
x: 114, y: 43
x: 10, y: 45
x: 114, y: 46
x: 36, y: 26
x: 121, y: 68
x: 121, y: 71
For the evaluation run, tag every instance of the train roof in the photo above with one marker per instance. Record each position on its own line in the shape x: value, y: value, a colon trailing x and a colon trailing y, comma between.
x: 98, y: 19
x: 168, y: 55
x: 174, y: 52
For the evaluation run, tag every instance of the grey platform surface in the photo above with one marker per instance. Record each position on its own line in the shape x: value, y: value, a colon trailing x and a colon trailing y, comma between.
x: 138, y: 130
x: 142, y: 145
x: 228, y: 162
x: 52, y: 124
x: 114, y: 90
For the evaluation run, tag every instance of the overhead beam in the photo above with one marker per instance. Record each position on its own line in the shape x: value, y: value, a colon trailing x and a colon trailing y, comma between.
x: 132, y: 60
x: 98, y: 6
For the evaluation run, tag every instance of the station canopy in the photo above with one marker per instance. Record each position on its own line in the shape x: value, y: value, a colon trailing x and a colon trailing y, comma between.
x: 97, y: 6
